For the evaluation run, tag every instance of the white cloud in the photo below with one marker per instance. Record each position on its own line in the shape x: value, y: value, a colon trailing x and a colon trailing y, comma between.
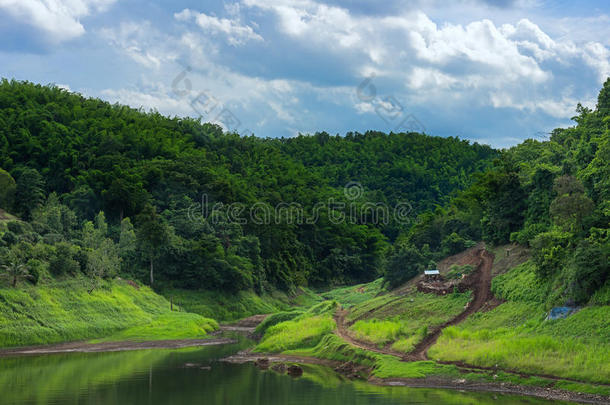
x: 453, y: 70
x: 141, y: 42
x: 60, y: 20
x: 236, y: 33
x: 429, y: 63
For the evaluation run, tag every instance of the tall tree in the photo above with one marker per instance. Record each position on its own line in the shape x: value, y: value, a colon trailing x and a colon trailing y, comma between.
x: 152, y: 234
x: 7, y: 190
x: 29, y: 193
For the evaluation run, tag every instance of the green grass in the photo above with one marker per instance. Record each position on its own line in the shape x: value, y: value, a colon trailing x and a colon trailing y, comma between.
x: 515, y: 336
x: 226, y: 307
x: 174, y: 325
x: 301, y: 332
x: 65, y: 311
x: 403, y: 321
x: 520, y: 284
x: 356, y: 294
x: 378, y: 331
x: 276, y: 318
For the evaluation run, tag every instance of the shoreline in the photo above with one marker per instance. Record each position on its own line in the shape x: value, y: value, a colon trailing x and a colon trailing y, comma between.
x: 553, y: 394
x: 127, y: 345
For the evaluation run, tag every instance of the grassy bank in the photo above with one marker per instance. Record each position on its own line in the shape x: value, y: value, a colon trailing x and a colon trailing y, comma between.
x: 226, y: 307
x: 403, y: 321
x: 65, y: 311
x: 513, y: 336
x: 516, y: 335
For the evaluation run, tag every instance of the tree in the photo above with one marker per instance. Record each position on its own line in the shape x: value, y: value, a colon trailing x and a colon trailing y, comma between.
x: 404, y: 263
x: 152, y: 234
x: 603, y: 99
x: 572, y: 205
x: 504, y: 201
x: 7, y: 190
x: 103, y: 259
x: 29, y: 193
x: 15, y: 271
x: 127, y: 238
x: 103, y: 262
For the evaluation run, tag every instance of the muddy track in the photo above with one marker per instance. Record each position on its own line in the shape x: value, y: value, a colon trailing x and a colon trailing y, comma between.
x: 481, y: 292
x: 342, y: 332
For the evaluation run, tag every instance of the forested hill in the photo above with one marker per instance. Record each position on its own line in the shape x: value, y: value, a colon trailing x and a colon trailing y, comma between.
x: 552, y: 196
x: 103, y: 189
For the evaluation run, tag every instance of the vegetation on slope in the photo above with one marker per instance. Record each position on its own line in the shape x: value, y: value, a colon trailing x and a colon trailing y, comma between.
x: 66, y: 311
x: 553, y: 196
x: 517, y: 336
x: 154, y: 171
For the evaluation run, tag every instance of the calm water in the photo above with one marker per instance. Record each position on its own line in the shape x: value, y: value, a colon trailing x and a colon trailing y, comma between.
x: 195, y: 376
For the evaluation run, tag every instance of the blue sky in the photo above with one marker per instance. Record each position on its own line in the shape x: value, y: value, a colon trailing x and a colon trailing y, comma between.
x: 496, y: 72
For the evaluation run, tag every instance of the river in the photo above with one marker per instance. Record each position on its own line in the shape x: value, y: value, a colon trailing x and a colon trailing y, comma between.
x: 197, y: 376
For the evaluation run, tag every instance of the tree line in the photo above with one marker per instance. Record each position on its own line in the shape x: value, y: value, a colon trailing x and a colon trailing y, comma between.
x: 106, y: 190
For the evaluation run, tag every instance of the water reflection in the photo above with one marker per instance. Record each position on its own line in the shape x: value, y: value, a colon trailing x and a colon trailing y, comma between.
x: 195, y: 376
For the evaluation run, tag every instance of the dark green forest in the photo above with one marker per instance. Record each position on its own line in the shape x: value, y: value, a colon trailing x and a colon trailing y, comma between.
x: 87, y: 176
x: 105, y: 190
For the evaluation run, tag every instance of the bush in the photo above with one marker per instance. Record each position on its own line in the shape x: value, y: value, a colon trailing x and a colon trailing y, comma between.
x: 9, y: 238
x: 63, y: 261
x: 454, y: 243
x: 19, y: 227
x: 456, y: 271
x: 276, y: 318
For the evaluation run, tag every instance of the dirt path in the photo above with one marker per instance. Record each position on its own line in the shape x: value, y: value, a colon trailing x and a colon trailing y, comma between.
x: 246, y: 325
x: 481, y: 292
x: 343, y: 333
x: 85, y: 347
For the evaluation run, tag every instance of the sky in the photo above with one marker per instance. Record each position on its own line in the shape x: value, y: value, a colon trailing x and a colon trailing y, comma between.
x: 494, y: 72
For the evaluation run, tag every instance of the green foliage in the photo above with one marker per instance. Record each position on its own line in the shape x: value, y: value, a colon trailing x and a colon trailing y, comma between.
x: 404, y: 263
x: 302, y: 332
x: 15, y: 272
x: 29, y: 193
x: 456, y: 271
x: 7, y: 190
x: 63, y: 260
x: 521, y: 284
x: 127, y: 163
x: 454, y: 243
x: 65, y: 311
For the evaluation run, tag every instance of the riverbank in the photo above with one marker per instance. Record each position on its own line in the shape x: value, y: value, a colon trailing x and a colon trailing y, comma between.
x: 68, y: 311
x: 461, y: 384
x: 88, y: 347
x: 412, y: 338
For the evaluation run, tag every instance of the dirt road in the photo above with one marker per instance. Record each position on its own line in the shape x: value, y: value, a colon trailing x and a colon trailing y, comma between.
x: 481, y: 288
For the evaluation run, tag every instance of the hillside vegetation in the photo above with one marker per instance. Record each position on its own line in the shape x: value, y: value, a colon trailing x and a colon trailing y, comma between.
x: 551, y: 196
x: 65, y: 158
x: 66, y: 311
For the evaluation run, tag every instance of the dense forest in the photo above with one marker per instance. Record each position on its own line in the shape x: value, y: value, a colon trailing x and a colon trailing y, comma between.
x: 105, y: 189
x: 102, y: 190
x: 552, y: 196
